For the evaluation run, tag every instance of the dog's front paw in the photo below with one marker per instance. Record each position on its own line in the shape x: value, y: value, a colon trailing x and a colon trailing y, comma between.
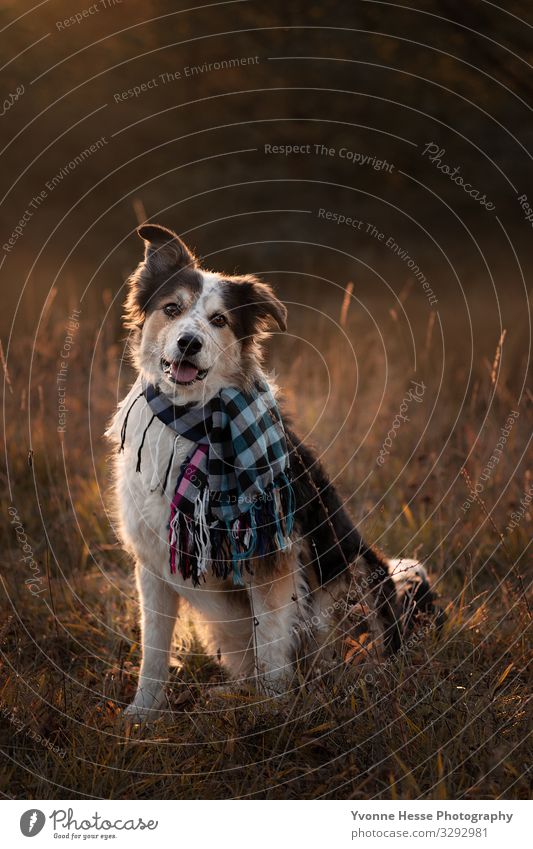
x: 272, y: 686
x: 138, y: 714
x: 144, y: 708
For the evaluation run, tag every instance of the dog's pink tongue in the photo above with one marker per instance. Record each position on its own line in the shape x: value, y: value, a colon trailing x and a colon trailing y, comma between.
x: 184, y: 372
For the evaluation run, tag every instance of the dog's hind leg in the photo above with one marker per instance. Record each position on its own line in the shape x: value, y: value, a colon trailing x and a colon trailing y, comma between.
x: 159, y: 608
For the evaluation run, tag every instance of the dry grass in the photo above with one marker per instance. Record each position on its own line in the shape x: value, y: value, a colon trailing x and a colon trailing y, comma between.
x: 447, y: 718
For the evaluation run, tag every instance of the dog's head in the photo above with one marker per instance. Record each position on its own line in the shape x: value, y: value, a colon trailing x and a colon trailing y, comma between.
x: 196, y: 331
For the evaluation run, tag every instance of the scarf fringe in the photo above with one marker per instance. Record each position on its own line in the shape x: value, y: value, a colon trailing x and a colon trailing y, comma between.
x: 200, y: 538
x: 195, y: 543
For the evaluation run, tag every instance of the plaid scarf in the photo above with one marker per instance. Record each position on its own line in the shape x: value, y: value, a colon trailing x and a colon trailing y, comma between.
x: 232, y: 500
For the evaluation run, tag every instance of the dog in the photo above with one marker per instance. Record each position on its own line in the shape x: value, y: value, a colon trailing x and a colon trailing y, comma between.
x: 195, y: 335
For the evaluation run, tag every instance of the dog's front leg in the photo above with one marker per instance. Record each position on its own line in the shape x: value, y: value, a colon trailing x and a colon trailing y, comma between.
x: 159, y: 609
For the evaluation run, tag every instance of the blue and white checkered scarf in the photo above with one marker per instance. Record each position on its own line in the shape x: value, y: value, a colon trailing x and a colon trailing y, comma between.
x: 233, y: 500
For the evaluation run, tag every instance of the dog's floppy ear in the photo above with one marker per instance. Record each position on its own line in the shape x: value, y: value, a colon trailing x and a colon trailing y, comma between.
x: 253, y: 305
x: 164, y: 250
x: 264, y: 303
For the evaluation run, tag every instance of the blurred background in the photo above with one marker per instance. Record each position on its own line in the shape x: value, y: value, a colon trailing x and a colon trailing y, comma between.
x: 319, y: 145
x: 371, y: 161
x: 377, y: 80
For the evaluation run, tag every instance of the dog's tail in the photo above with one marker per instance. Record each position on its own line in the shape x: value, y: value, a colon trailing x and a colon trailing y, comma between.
x: 415, y: 597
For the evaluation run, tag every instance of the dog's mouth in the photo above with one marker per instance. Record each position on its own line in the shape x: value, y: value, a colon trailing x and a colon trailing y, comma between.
x: 183, y: 372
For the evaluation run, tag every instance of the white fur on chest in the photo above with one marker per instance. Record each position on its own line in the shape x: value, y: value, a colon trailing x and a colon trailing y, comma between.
x: 144, y: 508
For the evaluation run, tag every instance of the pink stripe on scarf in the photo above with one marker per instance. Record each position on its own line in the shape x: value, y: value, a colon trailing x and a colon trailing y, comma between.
x: 188, y: 475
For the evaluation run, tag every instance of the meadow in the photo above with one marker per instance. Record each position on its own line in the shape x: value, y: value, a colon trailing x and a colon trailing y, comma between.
x: 445, y: 718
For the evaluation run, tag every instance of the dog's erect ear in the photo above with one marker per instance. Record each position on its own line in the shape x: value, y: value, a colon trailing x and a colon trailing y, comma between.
x: 165, y: 255
x: 253, y: 305
x: 164, y: 250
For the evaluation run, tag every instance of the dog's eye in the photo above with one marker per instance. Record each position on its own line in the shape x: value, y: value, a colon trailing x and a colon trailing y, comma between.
x: 172, y: 309
x: 218, y: 320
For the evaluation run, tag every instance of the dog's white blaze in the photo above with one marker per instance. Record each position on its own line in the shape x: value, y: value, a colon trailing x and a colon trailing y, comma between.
x: 220, y: 353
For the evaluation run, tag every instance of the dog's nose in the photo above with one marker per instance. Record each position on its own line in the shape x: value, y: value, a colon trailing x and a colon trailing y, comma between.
x: 189, y: 344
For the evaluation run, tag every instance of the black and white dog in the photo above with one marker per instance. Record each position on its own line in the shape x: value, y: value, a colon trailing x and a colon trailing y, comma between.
x: 196, y: 334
